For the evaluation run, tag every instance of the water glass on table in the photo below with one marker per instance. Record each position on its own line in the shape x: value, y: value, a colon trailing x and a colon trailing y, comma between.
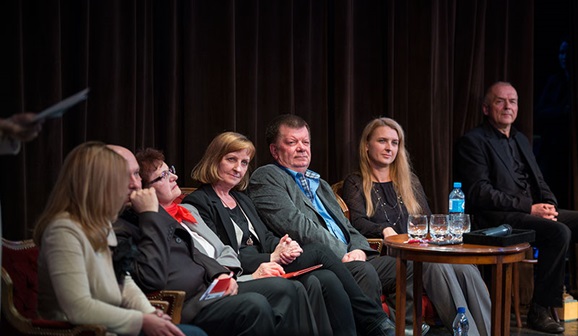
x: 417, y: 226
x: 459, y: 224
x: 438, y: 227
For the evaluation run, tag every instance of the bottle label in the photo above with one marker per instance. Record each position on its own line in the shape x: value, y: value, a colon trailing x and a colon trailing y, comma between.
x: 457, y: 206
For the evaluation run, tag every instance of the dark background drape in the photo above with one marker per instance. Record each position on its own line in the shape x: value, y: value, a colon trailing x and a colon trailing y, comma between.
x: 173, y: 74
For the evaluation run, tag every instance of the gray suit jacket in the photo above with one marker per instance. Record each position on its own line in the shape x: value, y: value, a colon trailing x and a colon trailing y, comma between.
x: 285, y: 209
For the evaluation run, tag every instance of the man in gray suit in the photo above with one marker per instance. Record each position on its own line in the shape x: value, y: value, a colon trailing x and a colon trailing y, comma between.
x: 291, y: 199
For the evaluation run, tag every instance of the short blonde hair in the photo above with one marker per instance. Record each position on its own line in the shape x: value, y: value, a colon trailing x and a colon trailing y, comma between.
x: 206, y: 171
x: 92, y: 188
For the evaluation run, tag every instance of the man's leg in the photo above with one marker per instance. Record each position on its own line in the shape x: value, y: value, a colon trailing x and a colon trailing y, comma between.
x: 385, y: 267
x: 289, y: 302
x: 367, y: 278
x: 323, y: 305
x: 552, y: 241
x: 242, y: 314
x: 570, y: 218
x: 338, y: 281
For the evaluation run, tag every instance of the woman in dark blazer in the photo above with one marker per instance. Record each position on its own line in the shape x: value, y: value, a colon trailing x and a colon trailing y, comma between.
x: 231, y: 214
x: 178, y: 251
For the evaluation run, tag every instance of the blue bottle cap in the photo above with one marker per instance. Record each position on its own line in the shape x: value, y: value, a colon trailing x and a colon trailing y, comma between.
x: 457, y: 184
x: 461, y: 310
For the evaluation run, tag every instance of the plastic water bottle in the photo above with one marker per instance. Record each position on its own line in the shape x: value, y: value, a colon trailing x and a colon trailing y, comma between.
x: 461, y: 324
x: 457, y: 199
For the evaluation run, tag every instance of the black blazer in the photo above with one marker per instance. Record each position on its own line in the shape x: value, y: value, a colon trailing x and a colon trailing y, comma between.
x: 217, y: 217
x: 167, y: 258
x: 488, y: 183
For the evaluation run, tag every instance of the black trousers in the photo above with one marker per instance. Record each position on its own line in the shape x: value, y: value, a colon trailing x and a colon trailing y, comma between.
x: 329, y: 302
x: 270, y: 306
x: 552, y: 240
x: 344, y: 295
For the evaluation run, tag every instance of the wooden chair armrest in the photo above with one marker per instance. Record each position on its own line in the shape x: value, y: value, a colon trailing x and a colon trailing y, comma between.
x: 160, y: 304
x: 175, y: 299
x: 376, y: 244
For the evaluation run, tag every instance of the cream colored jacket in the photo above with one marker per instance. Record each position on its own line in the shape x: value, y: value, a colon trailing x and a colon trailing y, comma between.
x: 78, y: 285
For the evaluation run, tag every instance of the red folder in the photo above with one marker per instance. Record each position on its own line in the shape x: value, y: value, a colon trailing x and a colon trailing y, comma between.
x: 303, y: 271
x: 216, y: 289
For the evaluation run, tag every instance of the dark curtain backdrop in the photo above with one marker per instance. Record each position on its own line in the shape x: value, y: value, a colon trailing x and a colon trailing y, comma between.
x: 572, y: 66
x: 173, y: 74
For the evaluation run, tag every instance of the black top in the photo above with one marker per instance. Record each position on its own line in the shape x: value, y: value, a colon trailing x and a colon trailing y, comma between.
x: 248, y: 238
x: 389, y: 208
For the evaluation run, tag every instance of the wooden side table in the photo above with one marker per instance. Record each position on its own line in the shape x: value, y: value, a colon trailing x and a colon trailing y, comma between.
x: 501, y: 259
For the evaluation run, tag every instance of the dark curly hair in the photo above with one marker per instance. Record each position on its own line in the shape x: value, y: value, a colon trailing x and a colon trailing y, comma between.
x: 149, y: 160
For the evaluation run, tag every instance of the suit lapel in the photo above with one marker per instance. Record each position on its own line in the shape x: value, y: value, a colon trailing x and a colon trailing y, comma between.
x: 323, y: 198
x: 295, y: 188
x: 255, y: 230
x: 223, y: 216
x: 527, y: 155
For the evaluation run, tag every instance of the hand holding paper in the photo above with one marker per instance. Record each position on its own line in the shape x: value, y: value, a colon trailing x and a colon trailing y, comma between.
x: 268, y: 269
x: 20, y: 126
x: 223, y: 285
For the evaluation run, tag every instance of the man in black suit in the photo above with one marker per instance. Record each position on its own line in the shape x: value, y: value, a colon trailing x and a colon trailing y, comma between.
x: 503, y: 184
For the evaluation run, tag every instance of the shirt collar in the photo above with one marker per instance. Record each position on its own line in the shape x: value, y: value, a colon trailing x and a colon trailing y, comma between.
x: 308, y: 173
x: 501, y: 135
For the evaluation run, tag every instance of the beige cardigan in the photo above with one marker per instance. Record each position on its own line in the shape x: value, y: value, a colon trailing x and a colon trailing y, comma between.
x: 78, y: 285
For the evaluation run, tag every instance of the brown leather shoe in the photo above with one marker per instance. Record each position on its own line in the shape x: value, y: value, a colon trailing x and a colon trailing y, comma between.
x: 539, y: 318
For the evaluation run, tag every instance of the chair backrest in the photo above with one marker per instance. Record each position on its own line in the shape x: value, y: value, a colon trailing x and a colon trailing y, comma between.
x: 20, y: 294
x: 337, y: 191
x: 374, y: 243
x: 19, y: 261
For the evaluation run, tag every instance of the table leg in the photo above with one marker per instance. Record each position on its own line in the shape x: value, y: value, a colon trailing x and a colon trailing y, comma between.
x: 507, y: 299
x: 401, y: 270
x: 497, y: 297
x: 417, y: 294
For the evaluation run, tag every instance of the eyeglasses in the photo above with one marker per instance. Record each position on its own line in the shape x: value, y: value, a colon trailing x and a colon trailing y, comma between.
x: 165, y: 174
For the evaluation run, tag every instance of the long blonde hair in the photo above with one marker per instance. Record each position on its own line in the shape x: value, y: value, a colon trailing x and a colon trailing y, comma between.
x: 206, y: 171
x: 91, y: 187
x: 400, y: 170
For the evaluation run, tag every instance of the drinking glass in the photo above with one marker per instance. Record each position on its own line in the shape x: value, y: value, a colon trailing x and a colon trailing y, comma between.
x: 417, y: 226
x: 459, y: 224
x: 438, y: 227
